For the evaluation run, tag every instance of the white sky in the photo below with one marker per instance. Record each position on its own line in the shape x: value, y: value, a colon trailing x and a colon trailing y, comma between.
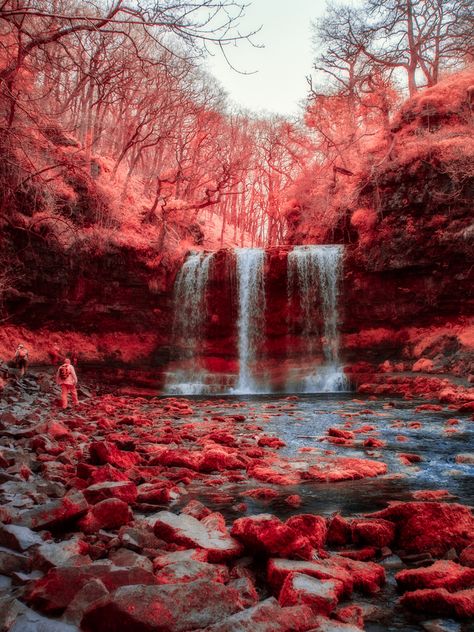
x: 282, y: 66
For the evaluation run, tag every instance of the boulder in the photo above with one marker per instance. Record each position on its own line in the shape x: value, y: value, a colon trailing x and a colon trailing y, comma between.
x: 186, y: 571
x: 209, y: 534
x: 339, y: 531
x: 55, y: 513
x: 52, y: 593
x: 431, y: 527
x: 439, y: 601
x: 368, y: 577
x: 266, y: 534
x: 123, y: 490
x: 61, y: 553
x: 267, y: 616
x: 167, y: 608
x: 441, y: 574
x: 377, y: 533
x: 103, y: 452
x: 111, y: 513
x: 174, y: 557
x: 278, y: 570
x: 467, y: 556
x: 83, y: 599
x: 321, y: 595
x: 323, y: 624
x: 312, y: 527
x: 12, y: 561
x: 18, y: 538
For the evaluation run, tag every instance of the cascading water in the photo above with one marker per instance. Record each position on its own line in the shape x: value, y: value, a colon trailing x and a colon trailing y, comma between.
x: 309, y: 268
x: 189, y: 320
x: 251, y: 289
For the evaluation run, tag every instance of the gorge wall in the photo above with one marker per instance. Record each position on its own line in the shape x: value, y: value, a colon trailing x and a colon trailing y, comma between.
x: 405, y: 305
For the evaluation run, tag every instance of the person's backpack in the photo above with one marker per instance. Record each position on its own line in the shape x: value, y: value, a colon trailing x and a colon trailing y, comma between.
x: 63, y: 372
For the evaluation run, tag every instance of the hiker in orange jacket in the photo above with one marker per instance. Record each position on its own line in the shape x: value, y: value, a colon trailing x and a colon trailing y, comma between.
x: 21, y: 359
x: 66, y: 377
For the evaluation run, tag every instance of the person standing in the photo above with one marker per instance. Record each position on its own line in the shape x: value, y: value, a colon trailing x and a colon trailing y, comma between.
x: 66, y: 377
x: 21, y: 359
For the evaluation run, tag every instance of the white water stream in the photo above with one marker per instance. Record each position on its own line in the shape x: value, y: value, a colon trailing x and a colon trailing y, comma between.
x: 251, y: 289
x: 314, y: 272
x: 189, y: 320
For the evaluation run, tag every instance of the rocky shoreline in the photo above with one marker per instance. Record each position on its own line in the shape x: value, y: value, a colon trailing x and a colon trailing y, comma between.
x: 99, y: 532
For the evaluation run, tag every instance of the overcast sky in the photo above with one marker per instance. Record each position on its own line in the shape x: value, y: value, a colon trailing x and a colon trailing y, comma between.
x: 282, y: 65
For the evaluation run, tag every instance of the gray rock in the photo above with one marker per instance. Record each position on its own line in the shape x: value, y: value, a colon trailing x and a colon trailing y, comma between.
x: 174, y: 608
x: 84, y: 599
x: 13, y: 561
x: 18, y: 538
x: 66, y: 553
x: 31, y: 621
x: 55, y: 512
x: 267, y: 616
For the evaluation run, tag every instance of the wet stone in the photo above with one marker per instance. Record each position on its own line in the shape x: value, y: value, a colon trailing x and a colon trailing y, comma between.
x: 174, y: 608
x: 18, y: 538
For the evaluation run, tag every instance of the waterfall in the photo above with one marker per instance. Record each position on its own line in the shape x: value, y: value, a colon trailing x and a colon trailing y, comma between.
x: 251, y: 290
x: 190, y: 313
x: 311, y: 268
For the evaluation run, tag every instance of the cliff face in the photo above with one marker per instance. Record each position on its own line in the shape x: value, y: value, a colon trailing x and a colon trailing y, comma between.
x: 406, y: 292
x: 408, y: 274
x: 412, y: 263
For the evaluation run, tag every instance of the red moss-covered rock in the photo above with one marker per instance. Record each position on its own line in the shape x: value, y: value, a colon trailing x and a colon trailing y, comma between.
x: 368, y: 577
x: 53, y: 592
x: 467, y: 556
x: 102, y: 452
x: 363, y: 555
x: 311, y: 527
x: 196, y: 509
x: 265, y: 533
x: 430, y: 527
x: 123, y: 490
x: 377, y: 533
x: 270, y: 442
x: 339, y: 531
x: 409, y: 459
x: 372, y: 442
x: 209, y: 534
x: 344, y: 469
x: 219, y: 459
x: 157, y: 493
x: 350, y: 614
x: 54, y: 513
x: 275, y: 473
x: 322, y: 595
x: 279, y: 569
x: 173, y: 608
x: 441, y: 602
x: 262, y: 493
x: 427, y: 495
x: 342, y: 434
x: 441, y: 574
x: 111, y: 513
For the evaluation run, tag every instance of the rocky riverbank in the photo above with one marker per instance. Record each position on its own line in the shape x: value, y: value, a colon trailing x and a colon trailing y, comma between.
x: 153, y: 514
